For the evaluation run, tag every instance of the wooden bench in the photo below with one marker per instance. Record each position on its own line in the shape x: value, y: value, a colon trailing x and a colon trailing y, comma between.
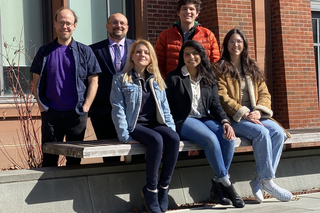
x: 306, y: 138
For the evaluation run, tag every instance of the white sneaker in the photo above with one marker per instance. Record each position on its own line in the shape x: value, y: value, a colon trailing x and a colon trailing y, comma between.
x: 257, y: 190
x: 279, y: 193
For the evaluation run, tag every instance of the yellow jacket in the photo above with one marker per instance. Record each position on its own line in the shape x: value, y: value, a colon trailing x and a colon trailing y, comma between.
x: 230, y: 96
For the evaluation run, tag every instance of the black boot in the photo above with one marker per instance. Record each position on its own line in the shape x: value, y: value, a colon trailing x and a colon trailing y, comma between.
x: 231, y: 193
x: 216, y: 194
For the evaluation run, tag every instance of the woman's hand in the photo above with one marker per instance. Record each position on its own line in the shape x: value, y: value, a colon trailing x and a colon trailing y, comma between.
x: 228, y: 132
x: 255, y: 114
x: 253, y: 117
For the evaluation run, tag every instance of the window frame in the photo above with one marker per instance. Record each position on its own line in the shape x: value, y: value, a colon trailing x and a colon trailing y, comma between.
x: 315, y: 15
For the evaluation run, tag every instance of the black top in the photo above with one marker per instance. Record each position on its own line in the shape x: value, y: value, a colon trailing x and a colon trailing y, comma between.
x: 179, y: 95
x: 147, y: 115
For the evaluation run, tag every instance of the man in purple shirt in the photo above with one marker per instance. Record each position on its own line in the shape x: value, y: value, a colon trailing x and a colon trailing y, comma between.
x: 65, y: 83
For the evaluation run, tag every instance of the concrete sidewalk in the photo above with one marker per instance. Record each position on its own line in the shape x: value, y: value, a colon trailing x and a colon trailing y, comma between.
x: 305, y: 203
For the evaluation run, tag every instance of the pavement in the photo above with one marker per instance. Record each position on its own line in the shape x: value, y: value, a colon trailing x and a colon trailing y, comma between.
x: 301, y: 203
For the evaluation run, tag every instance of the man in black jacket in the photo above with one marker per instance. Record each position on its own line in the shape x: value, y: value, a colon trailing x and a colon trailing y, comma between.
x: 111, y: 54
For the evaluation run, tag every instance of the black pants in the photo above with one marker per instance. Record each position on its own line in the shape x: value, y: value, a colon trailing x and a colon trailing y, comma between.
x: 158, y: 139
x: 104, y: 129
x: 103, y: 126
x: 59, y: 124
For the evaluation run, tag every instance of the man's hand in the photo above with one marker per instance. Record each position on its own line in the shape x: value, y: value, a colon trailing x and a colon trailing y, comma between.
x: 41, y: 108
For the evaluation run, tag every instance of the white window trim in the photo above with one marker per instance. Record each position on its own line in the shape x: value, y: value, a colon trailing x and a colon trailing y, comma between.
x: 315, y: 5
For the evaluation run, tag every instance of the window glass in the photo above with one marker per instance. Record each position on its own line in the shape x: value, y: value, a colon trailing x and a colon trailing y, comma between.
x: 21, y: 28
x: 93, y: 16
x: 316, y: 44
x: 21, y: 23
x: 314, y: 30
x: 116, y: 6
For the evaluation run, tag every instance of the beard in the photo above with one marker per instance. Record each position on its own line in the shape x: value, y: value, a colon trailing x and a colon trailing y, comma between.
x: 117, y: 35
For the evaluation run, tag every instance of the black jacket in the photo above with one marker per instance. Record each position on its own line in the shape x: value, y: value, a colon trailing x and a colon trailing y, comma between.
x: 179, y: 95
x: 101, y: 104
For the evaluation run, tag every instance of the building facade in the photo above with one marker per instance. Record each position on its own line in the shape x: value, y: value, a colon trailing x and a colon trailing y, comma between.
x: 283, y: 36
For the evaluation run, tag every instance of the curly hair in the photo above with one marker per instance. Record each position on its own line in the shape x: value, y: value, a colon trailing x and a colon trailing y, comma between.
x: 180, y: 3
x: 208, y: 77
x: 225, y: 64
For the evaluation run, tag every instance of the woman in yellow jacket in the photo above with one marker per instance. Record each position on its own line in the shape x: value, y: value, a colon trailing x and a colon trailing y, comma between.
x: 245, y: 98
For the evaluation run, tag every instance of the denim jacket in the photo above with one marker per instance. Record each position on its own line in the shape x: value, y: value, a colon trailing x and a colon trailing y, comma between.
x: 126, y: 98
x: 86, y: 64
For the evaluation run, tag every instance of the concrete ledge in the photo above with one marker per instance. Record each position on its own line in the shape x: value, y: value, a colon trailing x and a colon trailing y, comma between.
x: 99, y: 188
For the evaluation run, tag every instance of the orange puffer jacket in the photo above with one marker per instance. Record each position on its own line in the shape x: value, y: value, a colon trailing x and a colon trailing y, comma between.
x: 169, y: 44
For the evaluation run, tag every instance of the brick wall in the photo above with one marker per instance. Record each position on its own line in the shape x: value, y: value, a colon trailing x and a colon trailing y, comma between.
x: 292, y: 68
x: 161, y: 14
x: 208, y: 16
x: 295, y: 98
x: 235, y: 14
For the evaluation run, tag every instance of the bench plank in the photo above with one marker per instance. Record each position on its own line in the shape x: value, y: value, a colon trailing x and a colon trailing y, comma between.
x: 109, y: 148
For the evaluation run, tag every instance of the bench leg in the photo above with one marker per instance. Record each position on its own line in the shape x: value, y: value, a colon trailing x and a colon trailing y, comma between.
x: 128, y: 158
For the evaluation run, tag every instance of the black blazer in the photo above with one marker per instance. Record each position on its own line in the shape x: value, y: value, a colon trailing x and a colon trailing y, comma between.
x: 179, y: 95
x: 101, y: 104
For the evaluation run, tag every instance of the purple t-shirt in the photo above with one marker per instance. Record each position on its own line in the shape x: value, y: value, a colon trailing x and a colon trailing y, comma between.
x: 61, y: 90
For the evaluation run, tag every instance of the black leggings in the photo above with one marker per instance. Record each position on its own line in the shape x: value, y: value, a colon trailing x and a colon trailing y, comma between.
x: 155, y: 138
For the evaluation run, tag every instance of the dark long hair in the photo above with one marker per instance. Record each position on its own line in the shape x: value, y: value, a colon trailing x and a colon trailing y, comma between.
x: 204, y: 68
x: 226, y: 66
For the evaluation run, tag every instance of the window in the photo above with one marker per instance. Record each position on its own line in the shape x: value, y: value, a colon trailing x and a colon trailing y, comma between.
x: 31, y: 21
x: 20, y: 25
x: 93, y: 16
x: 316, y: 43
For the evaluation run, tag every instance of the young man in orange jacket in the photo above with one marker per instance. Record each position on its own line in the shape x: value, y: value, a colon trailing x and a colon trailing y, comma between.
x: 170, y: 40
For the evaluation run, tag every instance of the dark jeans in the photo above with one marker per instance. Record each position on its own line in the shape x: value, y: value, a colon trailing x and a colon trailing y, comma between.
x: 59, y: 124
x: 104, y: 129
x: 158, y: 139
x: 103, y: 126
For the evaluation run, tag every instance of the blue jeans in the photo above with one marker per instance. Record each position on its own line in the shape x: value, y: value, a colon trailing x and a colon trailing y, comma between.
x: 208, y: 134
x: 267, y: 144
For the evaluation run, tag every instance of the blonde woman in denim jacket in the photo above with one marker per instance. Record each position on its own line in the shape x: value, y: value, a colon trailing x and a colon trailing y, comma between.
x: 140, y: 112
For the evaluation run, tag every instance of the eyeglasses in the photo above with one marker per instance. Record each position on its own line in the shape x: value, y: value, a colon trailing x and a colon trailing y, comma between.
x: 232, y: 42
x: 116, y: 23
x: 62, y: 23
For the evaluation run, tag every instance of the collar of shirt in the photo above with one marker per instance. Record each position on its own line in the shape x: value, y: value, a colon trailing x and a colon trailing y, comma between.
x: 121, y: 43
x: 185, y: 72
x: 136, y: 76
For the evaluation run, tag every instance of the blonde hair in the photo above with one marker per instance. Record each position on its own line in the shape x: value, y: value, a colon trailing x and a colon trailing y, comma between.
x: 152, y: 67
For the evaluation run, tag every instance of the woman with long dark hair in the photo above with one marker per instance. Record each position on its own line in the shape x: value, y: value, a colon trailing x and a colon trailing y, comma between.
x: 245, y: 98
x: 140, y: 112
x: 193, y: 97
